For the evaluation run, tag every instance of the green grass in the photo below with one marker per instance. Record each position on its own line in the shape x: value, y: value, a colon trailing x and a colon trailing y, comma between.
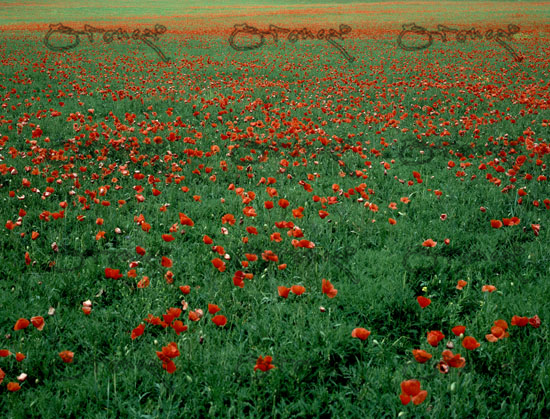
x: 378, y: 268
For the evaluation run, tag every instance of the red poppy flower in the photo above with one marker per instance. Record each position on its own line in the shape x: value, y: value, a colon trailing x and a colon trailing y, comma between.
x: 496, y: 223
x: 138, y: 331
x: 470, y: 343
x: 186, y: 289
x: 219, y: 320
x: 21, y: 324
x: 38, y: 322
x: 219, y: 264
x: 140, y: 250
x: 423, y: 301
x: 4, y: 353
x: 410, y: 389
x: 519, y: 321
x: 455, y: 361
x: 360, y: 333
x: 421, y: 356
x: 178, y: 327
x: 229, y: 218
x: 2, y: 375
x: 268, y: 255
x: 113, y: 273
x: 297, y: 289
x: 166, y: 262
x: 19, y: 357
x: 213, y: 308
x: 283, y: 203
x: 535, y: 321
x: 328, y: 289
x: 185, y: 220
x: 67, y: 356
x: 264, y: 364
x: 171, y: 350
x: 168, y: 238
x: 536, y: 228
x: 434, y: 337
x: 458, y: 330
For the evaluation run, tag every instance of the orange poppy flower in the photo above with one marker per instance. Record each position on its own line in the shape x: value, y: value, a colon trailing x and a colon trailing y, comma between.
x: 196, y: 315
x: 461, y: 284
x: 143, y: 282
x: 138, y: 331
x: 470, y: 343
x: 12, y: 386
x: 219, y: 320
x: 392, y: 221
x: 360, y: 333
x: 283, y: 291
x: 67, y: 356
x: 421, y: 356
x: 488, y: 288
x: 38, y: 322
x: 297, y: 289
x: 328, y: 289
x: 249, y: 212
x: 429, y: 243
x: 21, y: 324
x: 423, y: 301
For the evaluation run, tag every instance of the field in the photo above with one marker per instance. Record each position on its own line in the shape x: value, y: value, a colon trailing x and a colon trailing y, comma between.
x: 253, y: 209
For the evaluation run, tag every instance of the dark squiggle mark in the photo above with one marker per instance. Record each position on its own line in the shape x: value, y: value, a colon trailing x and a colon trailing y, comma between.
x: 461, y: 36
x: 108, y: 36
x: 293, y: 36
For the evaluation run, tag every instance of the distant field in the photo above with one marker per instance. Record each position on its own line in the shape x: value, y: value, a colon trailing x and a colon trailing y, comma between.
x: 262, y: 209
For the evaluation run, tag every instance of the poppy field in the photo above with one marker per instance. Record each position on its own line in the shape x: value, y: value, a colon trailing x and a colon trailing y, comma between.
x: 257, y: 209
